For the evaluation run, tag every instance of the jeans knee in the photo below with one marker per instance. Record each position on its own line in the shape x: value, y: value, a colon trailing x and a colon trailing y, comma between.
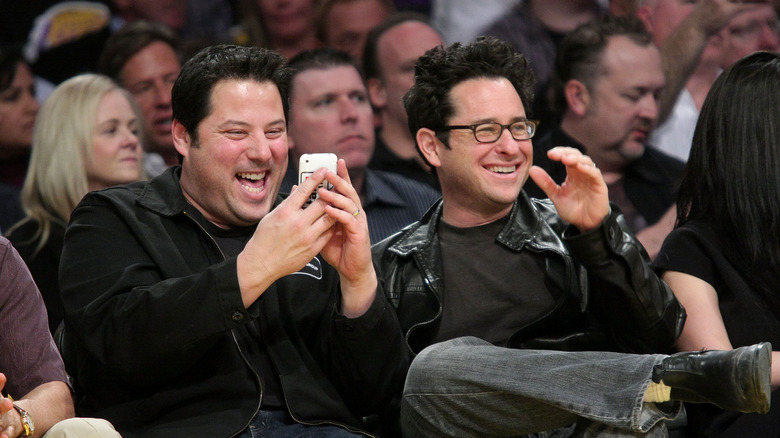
x: 446, y: 349
x: 442, y: 362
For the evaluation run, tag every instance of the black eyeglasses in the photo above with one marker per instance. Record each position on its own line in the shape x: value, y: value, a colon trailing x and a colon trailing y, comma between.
x: 491, y: 132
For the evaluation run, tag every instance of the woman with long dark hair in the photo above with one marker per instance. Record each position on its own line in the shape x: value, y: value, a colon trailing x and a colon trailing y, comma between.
x: 723, y: 259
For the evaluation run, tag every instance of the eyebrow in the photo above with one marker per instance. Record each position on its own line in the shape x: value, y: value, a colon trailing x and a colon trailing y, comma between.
x: 232, y: 122
x: 108, y: 122
x: 492, y: 120
x: 115, y: 120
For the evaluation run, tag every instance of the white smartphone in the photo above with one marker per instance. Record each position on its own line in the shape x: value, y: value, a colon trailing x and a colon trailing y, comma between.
x: 309, y: 163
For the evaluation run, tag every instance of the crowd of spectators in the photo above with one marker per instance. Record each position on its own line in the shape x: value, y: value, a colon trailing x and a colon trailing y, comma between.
x: 149, y: 184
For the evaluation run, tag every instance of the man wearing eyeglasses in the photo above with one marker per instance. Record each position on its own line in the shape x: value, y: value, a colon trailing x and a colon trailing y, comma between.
x: 490, y: 281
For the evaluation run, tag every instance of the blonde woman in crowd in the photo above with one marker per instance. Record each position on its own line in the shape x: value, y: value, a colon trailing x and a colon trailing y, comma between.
x: 86, y: 138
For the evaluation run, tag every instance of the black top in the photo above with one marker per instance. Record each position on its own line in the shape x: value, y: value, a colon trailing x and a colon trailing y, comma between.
x: 695, y: 249
x: 231, y: 242
x: 650, y: 182
x: 10, y: 206
x: 44, y: 264
x: 491, y: 295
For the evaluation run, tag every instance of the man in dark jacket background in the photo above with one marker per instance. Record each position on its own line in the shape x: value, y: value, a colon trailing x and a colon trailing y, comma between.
x: 528, y: 306
x: 605, y: 87
x: 202, y: 304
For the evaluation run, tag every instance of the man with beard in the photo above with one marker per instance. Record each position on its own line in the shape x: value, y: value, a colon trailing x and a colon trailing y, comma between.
x: 607, y: 79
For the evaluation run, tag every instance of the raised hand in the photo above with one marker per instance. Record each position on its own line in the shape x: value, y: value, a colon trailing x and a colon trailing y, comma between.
x: 285, y: 240
x: 582, y: 199
x: 349, y: 248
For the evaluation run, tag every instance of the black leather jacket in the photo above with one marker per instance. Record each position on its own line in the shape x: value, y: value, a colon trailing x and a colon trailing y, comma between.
x: 607, y: 295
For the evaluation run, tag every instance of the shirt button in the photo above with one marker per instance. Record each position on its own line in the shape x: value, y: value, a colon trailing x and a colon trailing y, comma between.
x: 238, y: 316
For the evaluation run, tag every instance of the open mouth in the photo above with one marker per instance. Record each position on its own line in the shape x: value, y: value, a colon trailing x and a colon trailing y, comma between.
x: 502, y: 169
x: 252, y: 182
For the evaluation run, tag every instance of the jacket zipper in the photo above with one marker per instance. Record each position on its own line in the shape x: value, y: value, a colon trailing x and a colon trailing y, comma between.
x: 320, y: 423
x: 257, y: 376
x: 233, y: 335
x: 438, y: 312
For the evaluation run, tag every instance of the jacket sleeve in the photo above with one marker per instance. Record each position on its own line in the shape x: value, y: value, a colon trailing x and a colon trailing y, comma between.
x: 29, y: 357
x: 134, y: 302
x: 372, y: 357
x: 626, y: 295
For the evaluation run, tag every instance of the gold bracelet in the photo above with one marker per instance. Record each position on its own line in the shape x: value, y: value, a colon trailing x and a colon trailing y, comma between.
x: 28, y: 426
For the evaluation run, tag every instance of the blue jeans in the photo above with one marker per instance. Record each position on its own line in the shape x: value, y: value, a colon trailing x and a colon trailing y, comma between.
x: 279, y: 424
x: 467, y: 387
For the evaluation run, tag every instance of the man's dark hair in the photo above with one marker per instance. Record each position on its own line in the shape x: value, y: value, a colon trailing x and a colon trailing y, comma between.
x: 579, y: 54
x: 319, y: 59
x: 191, y: 96
x: 131, y: 39
x: 429, y: 104
x: 10, y: 57
x: 371, y: 68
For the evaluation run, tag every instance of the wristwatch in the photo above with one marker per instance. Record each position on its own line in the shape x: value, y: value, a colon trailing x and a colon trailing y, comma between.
x: 27, y: 422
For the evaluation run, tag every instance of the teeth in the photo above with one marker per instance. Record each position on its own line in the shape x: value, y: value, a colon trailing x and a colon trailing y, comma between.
x: 253, y: 189
x: 502, y: 169
x: 252, y: 176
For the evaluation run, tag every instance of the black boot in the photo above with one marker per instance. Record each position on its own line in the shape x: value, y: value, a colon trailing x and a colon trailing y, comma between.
x: 737, y: 380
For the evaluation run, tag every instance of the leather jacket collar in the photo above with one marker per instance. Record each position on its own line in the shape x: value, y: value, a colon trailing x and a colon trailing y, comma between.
x: 529, y: 223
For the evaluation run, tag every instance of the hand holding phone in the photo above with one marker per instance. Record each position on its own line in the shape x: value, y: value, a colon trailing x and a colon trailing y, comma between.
x: 308, y: 164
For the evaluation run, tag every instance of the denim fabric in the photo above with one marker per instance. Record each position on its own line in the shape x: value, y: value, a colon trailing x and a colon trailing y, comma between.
x: 278, y: 424
x: 467, y: 387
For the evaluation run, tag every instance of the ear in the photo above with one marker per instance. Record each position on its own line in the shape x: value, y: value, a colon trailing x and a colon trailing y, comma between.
x: 577, y: 97
x: 429, y: 146
x: 181, y: 138
x: 646, y: 15
x: 377, y: 93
